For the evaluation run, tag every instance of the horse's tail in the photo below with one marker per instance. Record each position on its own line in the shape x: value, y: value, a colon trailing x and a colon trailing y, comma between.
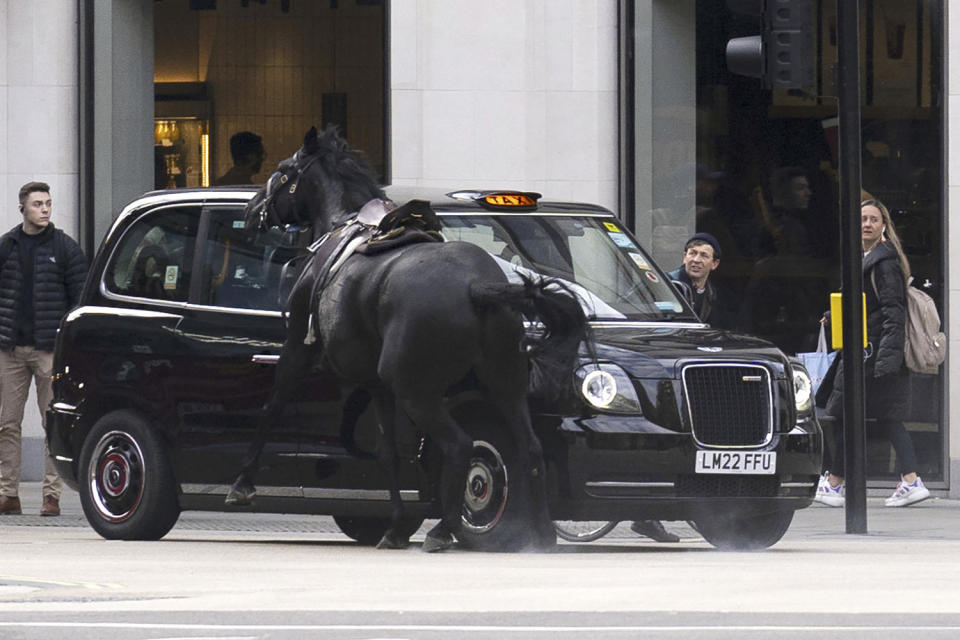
x: 553, y: 350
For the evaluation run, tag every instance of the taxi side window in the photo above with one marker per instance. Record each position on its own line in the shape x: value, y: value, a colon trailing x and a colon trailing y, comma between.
x: 155, y: 256
x: 244, y: 269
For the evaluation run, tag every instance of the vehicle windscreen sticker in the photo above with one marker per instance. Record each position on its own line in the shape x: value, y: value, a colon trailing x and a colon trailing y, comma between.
x: 651, y: 276
x: 611, y: 227
x: 669, y: 306
x: 621, y: 240
x: 639, y: 260
x: 170, y: 277
x: 238, y: 224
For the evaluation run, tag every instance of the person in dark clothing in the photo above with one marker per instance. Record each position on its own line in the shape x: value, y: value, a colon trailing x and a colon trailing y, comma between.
x: 246, y: 149
x: 793, y: 276
x: 42, y: 272
x: 886, y: 272
x: 701, y: 256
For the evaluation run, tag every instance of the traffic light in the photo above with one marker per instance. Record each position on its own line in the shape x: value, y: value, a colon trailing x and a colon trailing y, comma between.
x: 782, y: 55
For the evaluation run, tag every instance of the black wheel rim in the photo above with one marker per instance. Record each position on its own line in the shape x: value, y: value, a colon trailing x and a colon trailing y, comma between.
x: 116, y: 476
x: 485, y: 495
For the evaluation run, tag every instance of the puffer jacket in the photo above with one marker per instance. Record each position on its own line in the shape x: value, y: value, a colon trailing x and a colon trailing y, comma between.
x: 56, y: 286
x: 885, y: 289
x: 886, y: 293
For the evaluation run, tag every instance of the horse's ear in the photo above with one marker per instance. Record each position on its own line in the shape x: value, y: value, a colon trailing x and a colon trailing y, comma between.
x: 310, y: 138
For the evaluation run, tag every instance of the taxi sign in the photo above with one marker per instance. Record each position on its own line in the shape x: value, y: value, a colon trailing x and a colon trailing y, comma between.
x: 504, y: 200
x: 501, y: 200
x: 511, y: 200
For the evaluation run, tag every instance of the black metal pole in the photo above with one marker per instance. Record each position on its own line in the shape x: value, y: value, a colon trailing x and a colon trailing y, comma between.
x: 848, y: 95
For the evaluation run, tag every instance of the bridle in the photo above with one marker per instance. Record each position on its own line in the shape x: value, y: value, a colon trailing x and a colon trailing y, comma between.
x: 280, y: 178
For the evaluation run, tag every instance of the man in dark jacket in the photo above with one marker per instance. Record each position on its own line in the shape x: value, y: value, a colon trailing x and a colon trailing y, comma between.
x: 246, y: 149
x: 42, y: 271
x: 701, y: 255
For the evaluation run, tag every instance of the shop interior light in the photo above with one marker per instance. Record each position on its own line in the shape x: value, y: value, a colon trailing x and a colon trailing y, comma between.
x: 205, y: 159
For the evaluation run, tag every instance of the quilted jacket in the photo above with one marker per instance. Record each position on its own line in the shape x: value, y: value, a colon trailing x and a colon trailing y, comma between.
x: 57, y: 282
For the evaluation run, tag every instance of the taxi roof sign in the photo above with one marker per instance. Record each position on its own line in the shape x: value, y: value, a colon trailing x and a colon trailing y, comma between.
x: 501, y: 200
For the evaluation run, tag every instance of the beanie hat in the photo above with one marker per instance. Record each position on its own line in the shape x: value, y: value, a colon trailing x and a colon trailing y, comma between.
x: 709, y: 239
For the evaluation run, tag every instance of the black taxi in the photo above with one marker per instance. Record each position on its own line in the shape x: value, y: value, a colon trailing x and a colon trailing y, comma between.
x: 161, y: 373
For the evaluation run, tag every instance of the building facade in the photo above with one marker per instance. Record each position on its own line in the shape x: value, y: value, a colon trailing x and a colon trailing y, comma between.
x: 625, y: 103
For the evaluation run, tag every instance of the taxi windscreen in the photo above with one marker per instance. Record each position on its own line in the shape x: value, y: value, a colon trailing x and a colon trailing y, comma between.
x: 615, y: 278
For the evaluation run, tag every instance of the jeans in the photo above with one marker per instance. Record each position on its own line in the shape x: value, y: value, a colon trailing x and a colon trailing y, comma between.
x: 893, y: 431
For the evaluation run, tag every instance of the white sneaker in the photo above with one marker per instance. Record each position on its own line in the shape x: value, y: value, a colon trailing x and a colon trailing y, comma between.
x: 907, y: 494
x: 830, y: 496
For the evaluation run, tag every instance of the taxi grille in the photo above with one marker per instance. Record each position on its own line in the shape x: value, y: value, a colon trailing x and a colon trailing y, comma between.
x: 702, y: 486
x: 730, y: 405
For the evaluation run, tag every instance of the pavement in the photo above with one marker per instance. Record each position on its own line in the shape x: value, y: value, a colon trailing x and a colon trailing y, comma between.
x: 934, y: 519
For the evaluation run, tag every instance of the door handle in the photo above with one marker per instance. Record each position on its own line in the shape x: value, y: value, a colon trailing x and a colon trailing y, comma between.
x: 265, y: 358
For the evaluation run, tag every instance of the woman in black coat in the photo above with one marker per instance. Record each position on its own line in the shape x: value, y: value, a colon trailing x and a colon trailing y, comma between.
x: 886, y: 385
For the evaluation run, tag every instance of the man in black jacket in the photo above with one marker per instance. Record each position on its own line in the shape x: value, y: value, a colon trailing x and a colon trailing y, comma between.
x: 701, y: 255
x: 42, y: 271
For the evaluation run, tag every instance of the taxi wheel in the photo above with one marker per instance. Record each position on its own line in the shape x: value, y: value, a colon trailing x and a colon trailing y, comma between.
x: 127, y: 488
x: 368, y: 531
x: 495, y: 513
x: 738, y: 532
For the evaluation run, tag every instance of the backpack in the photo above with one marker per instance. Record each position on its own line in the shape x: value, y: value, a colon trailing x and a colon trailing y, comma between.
x: 925, y: 346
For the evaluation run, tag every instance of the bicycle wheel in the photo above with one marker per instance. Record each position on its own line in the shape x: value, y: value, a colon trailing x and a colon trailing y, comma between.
x: 583, y: 530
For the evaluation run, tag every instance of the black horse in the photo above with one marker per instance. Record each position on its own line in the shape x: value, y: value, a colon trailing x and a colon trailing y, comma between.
x: 408, y: 324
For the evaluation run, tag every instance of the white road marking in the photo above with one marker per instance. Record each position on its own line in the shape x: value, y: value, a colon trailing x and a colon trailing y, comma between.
x: 473, y: 628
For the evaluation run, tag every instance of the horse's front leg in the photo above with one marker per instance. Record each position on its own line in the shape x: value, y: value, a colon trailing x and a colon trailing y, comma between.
x: 292, y: 366
x: 387, y: 457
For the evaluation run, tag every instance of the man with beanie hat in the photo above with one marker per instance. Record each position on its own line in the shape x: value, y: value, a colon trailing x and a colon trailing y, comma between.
x: 701, y: 255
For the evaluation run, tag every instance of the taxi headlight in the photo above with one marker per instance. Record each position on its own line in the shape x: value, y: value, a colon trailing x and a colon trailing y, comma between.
x: 608, y: 387
x: 802, y: 390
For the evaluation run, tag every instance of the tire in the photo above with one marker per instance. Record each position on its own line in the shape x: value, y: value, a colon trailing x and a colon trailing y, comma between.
x: 368, y: 531
x: 496, y: 515
x: 127, y: 488
x: 737, y: 532
x: 583, y: 531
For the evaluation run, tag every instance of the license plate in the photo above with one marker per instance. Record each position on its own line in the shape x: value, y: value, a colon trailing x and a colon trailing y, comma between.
x: 737, y: 462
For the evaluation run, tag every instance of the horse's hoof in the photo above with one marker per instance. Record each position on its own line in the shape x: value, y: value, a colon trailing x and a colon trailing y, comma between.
x: 240, y: 496
x: 388, y: 541
x: 432, y: 544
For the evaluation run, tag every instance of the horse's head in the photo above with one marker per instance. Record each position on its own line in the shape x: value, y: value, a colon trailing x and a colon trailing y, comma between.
x: 321, y: 185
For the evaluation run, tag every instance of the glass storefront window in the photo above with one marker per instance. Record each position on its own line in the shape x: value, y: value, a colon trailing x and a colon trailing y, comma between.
x: 764, y: 173
x: 270, y: 69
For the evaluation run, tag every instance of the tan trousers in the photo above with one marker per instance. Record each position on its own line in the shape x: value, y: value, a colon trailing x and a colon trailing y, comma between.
x: 16, y: 369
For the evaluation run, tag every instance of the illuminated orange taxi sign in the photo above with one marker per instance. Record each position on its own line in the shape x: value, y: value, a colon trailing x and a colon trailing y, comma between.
x: 514, y: 201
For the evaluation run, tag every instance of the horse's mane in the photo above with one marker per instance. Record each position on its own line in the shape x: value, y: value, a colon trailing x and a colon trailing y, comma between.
x: 344, y: 165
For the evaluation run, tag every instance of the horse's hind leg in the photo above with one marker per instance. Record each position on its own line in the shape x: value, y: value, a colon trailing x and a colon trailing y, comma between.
x: 508, y: 393
x: 387, y: 456
x: 430, y: 416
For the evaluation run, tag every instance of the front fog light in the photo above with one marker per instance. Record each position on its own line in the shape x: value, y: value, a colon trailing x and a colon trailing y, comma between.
x: 802, y: 389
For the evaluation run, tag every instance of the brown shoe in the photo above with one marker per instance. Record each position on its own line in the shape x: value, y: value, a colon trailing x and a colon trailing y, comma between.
x: 51, y: 506
x: 10, y: 506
